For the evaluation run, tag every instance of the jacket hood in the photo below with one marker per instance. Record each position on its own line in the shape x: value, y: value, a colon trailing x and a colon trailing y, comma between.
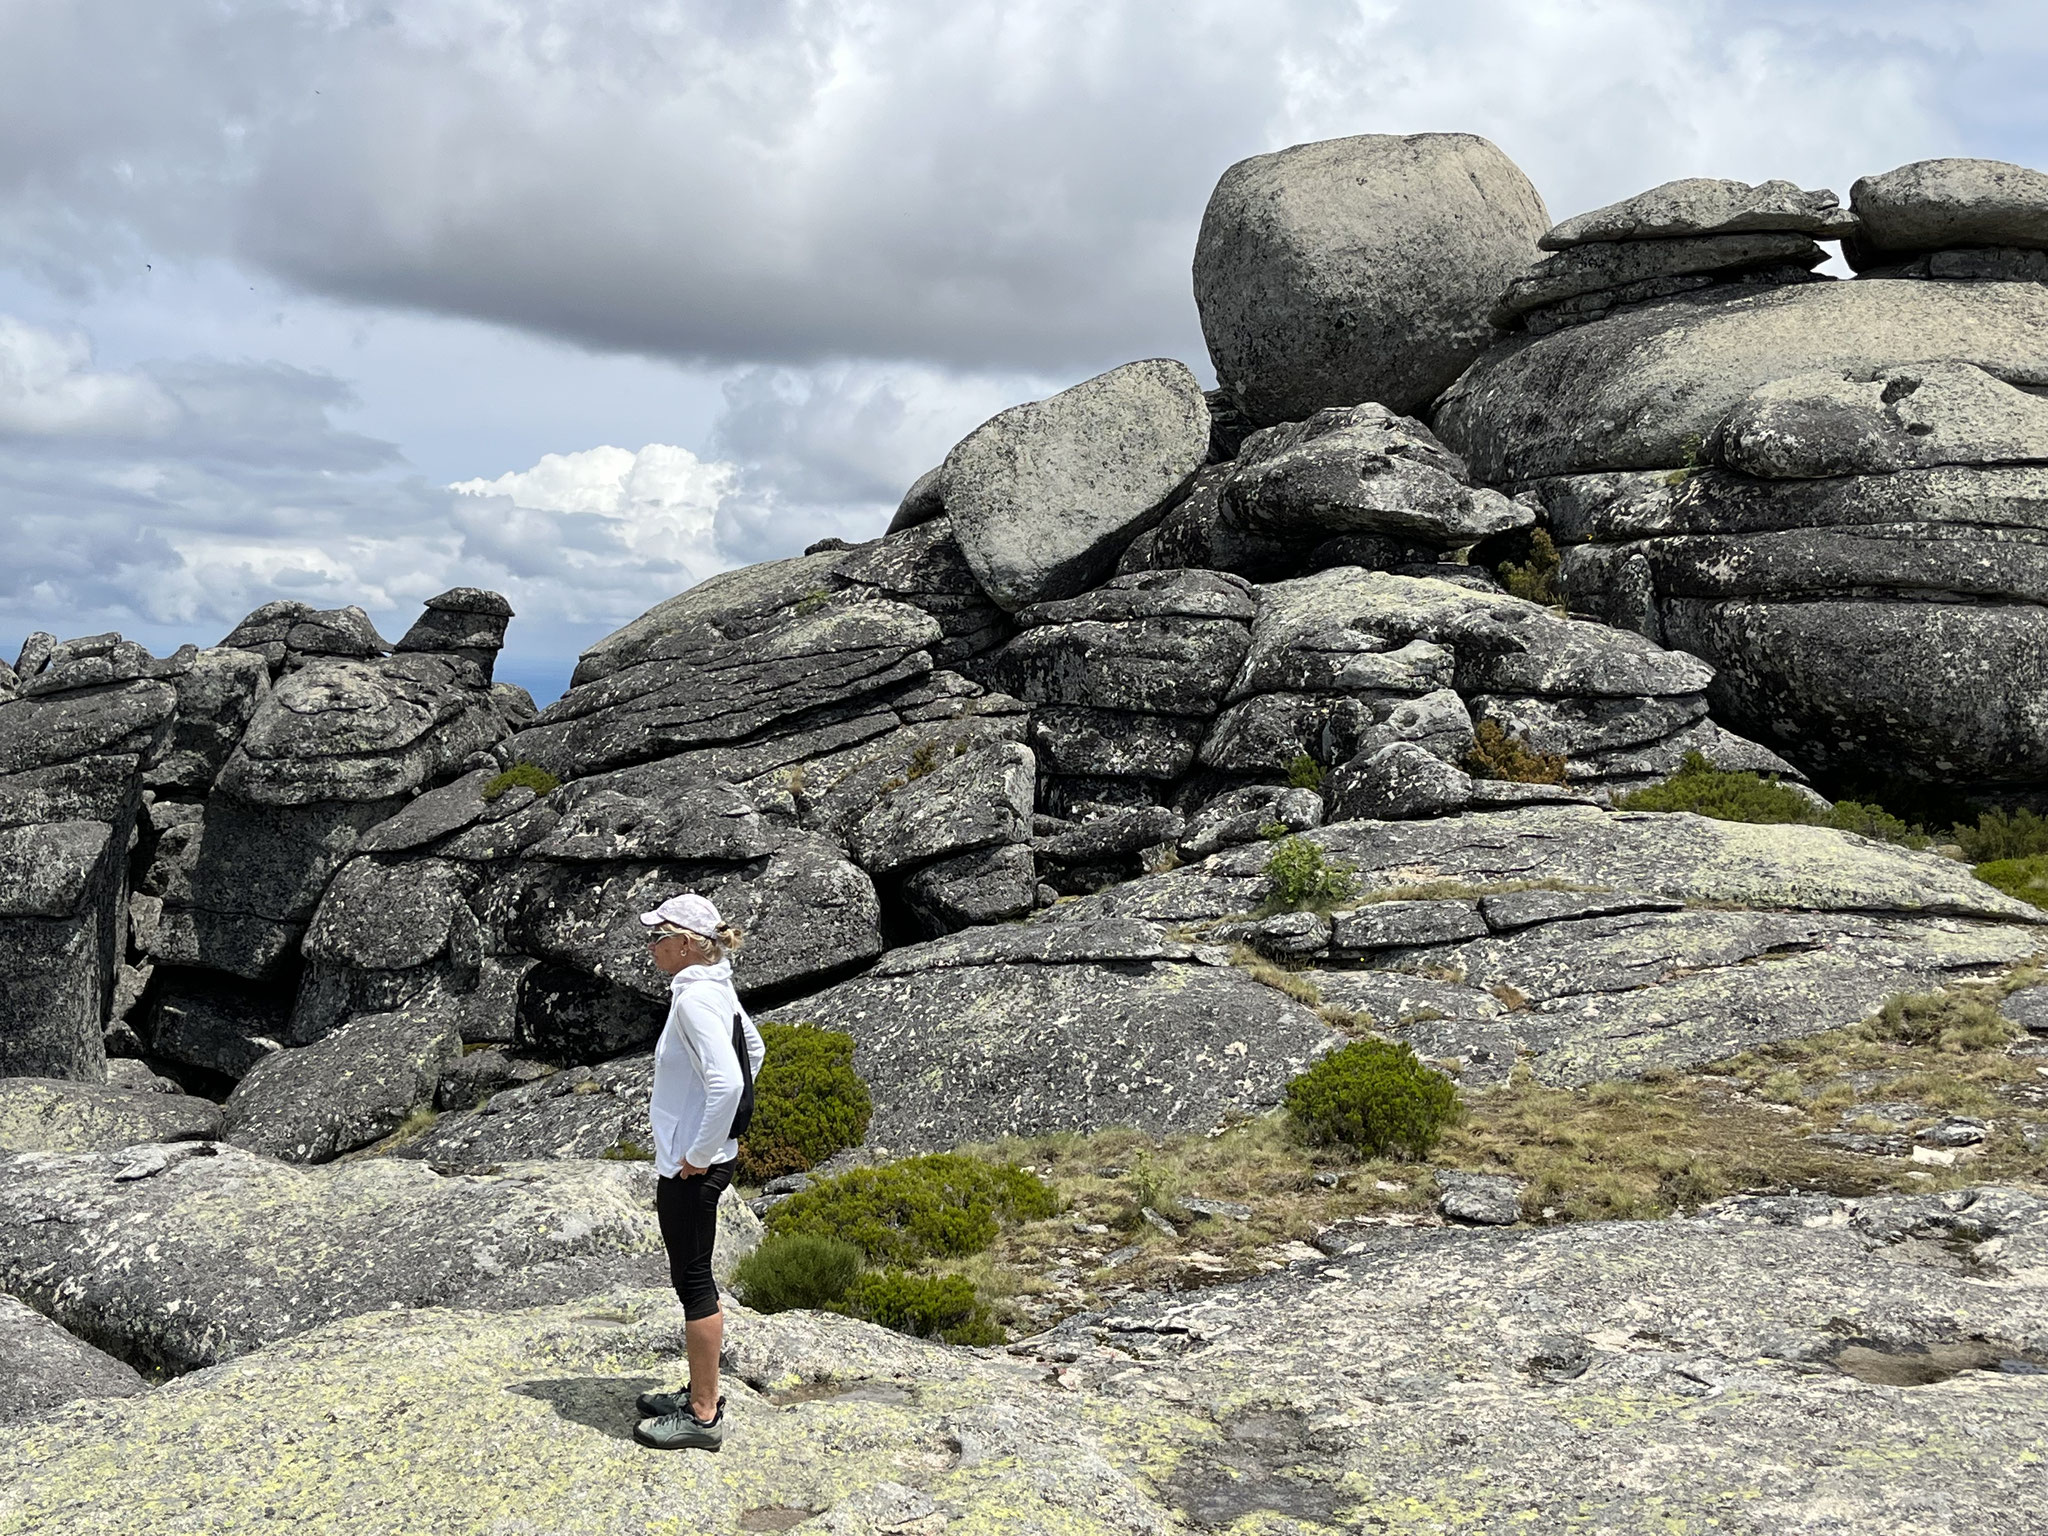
x: 690, y: 974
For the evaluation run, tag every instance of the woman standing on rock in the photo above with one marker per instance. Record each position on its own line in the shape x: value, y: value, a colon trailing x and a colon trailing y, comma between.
x: 704, y: 1069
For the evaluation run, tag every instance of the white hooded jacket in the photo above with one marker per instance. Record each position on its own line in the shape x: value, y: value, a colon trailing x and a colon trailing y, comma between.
x: 697, y: 1082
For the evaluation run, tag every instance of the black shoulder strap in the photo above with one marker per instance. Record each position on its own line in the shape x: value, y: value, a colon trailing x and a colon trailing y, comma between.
x: 744, y: 1115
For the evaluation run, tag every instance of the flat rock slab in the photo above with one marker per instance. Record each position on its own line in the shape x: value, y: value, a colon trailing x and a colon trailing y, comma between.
x: 1630, y: 391
x: 965, y: 1051
x: 1495, y: 1378
x: 580, y: 1113
x: 1669, y: 854
x: 1705, y: 205
x: 179, y: 1257
x: 42, y: 1366
x: 357, y: 1086
x: 1044, y: 497
x: 41, y: 1114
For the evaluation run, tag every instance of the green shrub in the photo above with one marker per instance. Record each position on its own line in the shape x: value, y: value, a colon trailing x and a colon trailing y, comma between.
x: 924, y: 757
x: 924, y: 1306
x: 1873, y: 821
x: 808, y: 1102
x: 1998, y: 837
x: 2025, y: 878
x: 1304, y: 772
x: 1374, y: 1097
x: 800, y: 1270
x: 1705, y: 790
x: 626, y: 1150
x: 1535, y: 582
x: 523, y: 775
x: 945, y: 1205
x: 1497, y: 755
x: 1300, y: 877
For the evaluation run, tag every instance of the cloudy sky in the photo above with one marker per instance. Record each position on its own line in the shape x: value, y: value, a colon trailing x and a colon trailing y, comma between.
x: 586, y: 299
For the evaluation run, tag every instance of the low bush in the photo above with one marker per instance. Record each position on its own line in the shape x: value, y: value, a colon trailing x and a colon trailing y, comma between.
x: 1301, y: 877
x: 1873, y: 821
x: 522, y: 776
x: 801, y: 1269
x: 1535, y: 582
x: 1304, y: 772
x: 1497, y: 755
x: 1705, y: 790
x: 2025, y: 878
x: 808, y: 1102
x: 1999, y: 837
x: 1954, y: 1021
x: 1728, y: 795
x: 1374, y: 1097
x: 945, y: 1205
x: 943, y: 1307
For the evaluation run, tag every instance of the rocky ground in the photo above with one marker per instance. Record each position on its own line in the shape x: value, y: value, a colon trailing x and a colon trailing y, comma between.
x: 1167, y: 741
x: 1764, y: 1366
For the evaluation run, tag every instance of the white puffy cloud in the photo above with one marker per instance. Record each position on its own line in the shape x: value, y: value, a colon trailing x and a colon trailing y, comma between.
x: 597, y: 519
x: 49, y: 388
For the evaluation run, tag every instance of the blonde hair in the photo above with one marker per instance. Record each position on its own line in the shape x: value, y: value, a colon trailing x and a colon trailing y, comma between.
x: 727, y: 938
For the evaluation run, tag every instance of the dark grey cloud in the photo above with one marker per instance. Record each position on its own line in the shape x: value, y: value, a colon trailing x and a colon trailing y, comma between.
x: 972, y: 186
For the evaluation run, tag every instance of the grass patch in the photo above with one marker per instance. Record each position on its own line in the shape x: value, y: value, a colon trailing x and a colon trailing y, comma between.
x: 1496, y: 754
x: 1278, y: 977
x: 1637, y: 1150
x: 626, y: 1150
x: 522, y: 776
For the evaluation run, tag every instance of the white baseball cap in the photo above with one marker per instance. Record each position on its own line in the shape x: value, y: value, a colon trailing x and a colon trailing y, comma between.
x: 689, y: 911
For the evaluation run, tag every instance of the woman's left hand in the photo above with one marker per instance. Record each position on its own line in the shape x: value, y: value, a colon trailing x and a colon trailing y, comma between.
x: 691, y: 1170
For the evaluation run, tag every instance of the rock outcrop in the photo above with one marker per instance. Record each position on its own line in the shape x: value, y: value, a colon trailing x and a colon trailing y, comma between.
x: 1824, y: 490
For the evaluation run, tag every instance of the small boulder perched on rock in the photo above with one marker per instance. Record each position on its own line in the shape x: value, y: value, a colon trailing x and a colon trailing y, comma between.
x: 1682, y: 237
x: 1358, y: 269
x: 1044, y: 497
x: 1946, y: 205
x: 463, y: 621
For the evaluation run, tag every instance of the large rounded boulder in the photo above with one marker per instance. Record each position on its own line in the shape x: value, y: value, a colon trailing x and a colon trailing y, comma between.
x: 1359, y: 269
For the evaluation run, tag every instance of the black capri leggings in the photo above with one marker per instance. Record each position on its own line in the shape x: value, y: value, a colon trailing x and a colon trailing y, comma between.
x: 688, y: 1211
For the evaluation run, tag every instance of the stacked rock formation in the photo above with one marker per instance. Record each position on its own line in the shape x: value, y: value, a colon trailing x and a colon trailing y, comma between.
x: 1830, y: 492
x: 996, y: 794
x: 1678, y: 238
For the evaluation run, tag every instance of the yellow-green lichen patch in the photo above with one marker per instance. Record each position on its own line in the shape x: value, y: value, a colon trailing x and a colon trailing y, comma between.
x: 439, y: 1421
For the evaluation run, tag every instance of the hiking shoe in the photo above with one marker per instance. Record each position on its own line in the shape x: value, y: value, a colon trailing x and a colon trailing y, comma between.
x: 682, y: 1431
x: 659, y: 1405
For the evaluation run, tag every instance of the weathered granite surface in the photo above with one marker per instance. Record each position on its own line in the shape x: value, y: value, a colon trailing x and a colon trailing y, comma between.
x: 1624, y: 1376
